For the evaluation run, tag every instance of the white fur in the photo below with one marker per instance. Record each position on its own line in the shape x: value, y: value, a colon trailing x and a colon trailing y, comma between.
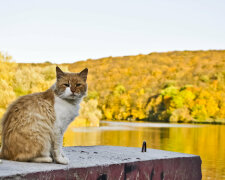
x: 66, y: 109
x: 65, y: 113
x: 66, y: 94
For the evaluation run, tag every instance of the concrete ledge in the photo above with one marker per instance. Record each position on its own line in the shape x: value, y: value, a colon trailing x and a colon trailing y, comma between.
x: 109, y: 162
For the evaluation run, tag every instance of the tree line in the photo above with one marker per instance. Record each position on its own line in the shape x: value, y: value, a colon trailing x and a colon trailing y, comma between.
x: 178, y: 86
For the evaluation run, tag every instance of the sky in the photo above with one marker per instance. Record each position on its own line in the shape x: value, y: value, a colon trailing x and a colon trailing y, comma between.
x: 70, y: 30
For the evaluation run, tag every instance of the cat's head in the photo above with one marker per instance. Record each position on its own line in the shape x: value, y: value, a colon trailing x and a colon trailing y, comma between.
x: 71, y: 85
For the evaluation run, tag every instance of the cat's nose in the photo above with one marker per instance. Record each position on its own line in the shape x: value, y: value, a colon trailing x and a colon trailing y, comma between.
x: 73, y: 91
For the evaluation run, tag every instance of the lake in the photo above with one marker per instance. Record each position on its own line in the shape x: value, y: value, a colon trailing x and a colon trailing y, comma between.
x: 207, y: 141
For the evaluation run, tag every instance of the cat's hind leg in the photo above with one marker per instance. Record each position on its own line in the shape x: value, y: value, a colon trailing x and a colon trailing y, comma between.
x: 45, y: 154
x: 42, y: 160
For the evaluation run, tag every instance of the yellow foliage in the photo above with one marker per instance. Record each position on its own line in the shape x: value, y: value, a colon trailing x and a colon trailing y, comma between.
x: 7, y: 94
x: 124, y: 86
x: 89, y: 114
x: 21, y: 79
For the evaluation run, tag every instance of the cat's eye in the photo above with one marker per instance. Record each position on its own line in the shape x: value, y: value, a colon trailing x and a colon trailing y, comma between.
x: 78, y: 85
x: 67, y: 85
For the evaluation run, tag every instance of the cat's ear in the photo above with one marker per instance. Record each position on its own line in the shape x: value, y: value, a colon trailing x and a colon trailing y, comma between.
x: 84, y: 74
x: 59, y: 73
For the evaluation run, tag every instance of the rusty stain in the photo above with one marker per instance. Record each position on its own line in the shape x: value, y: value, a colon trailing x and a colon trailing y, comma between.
x: 162, y: 176
x: 102, y: 177
x: 152, y: 174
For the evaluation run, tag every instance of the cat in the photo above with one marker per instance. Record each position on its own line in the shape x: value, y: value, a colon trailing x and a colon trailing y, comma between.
x: 33, y: 126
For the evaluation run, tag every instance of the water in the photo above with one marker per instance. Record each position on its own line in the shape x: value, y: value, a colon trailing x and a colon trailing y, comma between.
x: 207, y: 141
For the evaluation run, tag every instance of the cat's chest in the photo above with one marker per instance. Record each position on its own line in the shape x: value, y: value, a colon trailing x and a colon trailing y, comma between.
x: 65, y: 112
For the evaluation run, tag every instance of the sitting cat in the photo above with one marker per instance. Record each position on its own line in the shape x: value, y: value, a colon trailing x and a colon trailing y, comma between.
x: 33, y: 126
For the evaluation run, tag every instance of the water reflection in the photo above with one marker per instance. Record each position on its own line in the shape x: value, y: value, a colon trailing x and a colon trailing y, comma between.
x: 204, y: 140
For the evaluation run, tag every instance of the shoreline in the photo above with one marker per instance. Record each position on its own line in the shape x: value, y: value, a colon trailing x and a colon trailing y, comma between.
x: 165, y: 122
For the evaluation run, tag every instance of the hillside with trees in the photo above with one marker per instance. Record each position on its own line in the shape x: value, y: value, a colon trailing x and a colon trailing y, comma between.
x: 179, y: 86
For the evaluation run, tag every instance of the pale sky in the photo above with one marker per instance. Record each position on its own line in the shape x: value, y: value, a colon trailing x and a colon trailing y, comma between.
x: 70, y: 30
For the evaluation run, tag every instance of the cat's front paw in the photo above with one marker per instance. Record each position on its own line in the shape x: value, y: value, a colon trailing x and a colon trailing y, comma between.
x: 62, y: 160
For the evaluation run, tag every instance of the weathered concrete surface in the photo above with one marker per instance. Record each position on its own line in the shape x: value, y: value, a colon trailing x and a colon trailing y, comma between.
x: 109, y: 162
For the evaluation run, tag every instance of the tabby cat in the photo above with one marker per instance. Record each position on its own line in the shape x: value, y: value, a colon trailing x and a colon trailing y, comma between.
x: 33, y: 125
